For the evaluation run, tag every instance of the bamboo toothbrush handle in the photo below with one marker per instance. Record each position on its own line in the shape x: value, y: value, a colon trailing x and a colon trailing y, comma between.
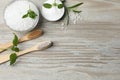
x: 5, y: 46
x: 39, y: 46
x: 32, y: 35
x: 5, y: 57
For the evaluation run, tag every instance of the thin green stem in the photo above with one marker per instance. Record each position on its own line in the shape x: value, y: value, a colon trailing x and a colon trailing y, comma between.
x: 67, y: 15
x: 67, y: 12
x: 76, y: 5
x: 29, y: 4
x: 55, y: 4
x: 54, y: 1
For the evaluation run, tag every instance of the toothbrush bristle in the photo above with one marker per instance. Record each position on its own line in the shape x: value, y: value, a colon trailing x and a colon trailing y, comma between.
x: 44, y: 45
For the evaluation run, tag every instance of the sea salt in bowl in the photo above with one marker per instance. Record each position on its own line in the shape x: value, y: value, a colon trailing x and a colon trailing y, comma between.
x: 14, y: 12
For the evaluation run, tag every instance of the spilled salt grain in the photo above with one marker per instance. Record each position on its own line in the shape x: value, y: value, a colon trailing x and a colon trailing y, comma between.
x: 74, y: 17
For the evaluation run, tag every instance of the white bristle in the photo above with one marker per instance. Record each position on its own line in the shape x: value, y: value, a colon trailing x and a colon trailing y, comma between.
x: 43, y: 45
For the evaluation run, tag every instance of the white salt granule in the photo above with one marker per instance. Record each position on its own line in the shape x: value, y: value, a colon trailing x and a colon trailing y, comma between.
x: 74, y: 17
x: 14, y: 12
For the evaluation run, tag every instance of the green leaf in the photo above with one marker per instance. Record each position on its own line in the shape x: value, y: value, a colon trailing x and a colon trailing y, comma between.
x: 14, y: 48
x: 32, y: 14
x: 15, y: 40
x: 13, y: 58
x: 76, y: 11
x: 25, y: 16
x: 60, y: 6
x: 76, y: 5
x: 47, y: 5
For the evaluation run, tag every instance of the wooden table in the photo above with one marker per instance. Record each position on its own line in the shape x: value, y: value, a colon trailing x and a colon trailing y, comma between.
x: 88, y: 50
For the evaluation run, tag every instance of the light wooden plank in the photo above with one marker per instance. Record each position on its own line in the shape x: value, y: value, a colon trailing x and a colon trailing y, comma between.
x: 88, y: 50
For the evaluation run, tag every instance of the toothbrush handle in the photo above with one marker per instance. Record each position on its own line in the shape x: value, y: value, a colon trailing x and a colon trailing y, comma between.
x: 40, y: 46
x: 5, y: 46
x: 5, y: 57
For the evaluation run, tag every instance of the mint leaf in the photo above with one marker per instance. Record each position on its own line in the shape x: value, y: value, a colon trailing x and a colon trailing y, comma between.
x: 76, y: 5
x: 47, y: 5
x: 15, y: 40
x: 32, y: 14
x: 25, y: 16
x: 13, y: 58
x: 15, y: 43
x: 14, y: 48
x: 60, y: 6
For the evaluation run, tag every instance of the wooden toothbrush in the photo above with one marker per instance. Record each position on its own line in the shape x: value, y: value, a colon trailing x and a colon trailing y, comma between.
x: 39, y: 46
x: 32, y: 35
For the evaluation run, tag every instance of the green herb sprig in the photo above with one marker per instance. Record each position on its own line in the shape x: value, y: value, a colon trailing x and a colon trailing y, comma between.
x: 71, y: 8
x: 30, y: 13
x: 74, y: 6
x: 15, y: 43
x: 14, y: 48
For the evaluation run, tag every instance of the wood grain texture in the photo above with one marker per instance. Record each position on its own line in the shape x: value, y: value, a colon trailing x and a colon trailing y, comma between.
x: 88, y: 50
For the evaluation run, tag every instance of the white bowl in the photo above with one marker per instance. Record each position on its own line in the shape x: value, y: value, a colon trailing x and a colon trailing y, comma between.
x: 14, y: 12
x: 54, y: 13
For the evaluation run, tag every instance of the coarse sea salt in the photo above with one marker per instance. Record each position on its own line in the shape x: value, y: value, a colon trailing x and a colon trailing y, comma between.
x: 14, y: 12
